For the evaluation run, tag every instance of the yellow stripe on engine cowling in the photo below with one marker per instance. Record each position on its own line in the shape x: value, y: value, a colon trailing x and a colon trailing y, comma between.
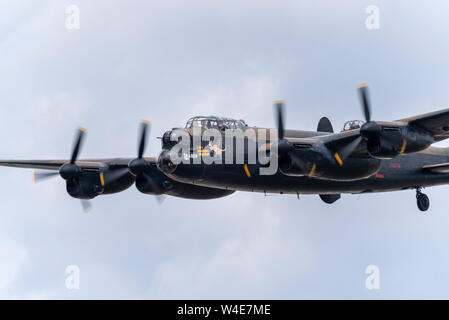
x: 245, y: 167
x: 312, y: 171
x: 404, y: 145
x: 102, y: 179
x: 337, y: 157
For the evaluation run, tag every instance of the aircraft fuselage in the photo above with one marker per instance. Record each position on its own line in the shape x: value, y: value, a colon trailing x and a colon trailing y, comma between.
x: 402, y: 172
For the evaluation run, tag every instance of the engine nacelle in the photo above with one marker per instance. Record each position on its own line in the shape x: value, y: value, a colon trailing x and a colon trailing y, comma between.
x: 154, y: 182
x: 83, y: 189
x: 381, y: 148
x: 319, y: 162
x: 153, y: 185
x: 353, y: 169
x: 385, y: 141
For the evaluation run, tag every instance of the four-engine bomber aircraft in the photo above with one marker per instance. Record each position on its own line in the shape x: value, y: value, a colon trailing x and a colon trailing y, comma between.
x: 370, y: 156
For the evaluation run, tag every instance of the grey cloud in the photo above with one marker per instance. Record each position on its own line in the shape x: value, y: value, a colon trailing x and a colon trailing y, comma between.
x: 169, y: 61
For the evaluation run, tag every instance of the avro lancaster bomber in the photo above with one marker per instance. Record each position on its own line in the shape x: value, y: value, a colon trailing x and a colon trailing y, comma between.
x: 365, y: 156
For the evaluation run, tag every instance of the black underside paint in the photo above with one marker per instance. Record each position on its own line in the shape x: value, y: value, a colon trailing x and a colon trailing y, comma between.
x: 402, y: 172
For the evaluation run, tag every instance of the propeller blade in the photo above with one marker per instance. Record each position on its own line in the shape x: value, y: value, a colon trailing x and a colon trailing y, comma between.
x: 364, y: 98
x: 346, y: 151
x: 39, y: 176
x: 78, y: 142
x: 161, y: 198
x: 115, y: 174
x: 87, y: 205
x: 279, y: 106
x: 143, y: 133
x: 307, y: 167
x: 301, y: 163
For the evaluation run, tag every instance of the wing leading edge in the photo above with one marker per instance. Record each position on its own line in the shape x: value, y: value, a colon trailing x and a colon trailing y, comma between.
x: 437, y: 168
x: 436, y: 123
x: 56, y: 164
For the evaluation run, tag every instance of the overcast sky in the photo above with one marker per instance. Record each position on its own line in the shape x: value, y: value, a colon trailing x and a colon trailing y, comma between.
x: 166, y: 61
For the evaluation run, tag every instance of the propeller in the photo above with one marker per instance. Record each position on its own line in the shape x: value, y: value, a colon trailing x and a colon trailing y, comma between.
x: 346, y: 151
x: 285, y: 148
x: 283, y: 145
x: 279, y: 105
x: 78, y: 142
x: 87, y: 205
x: 114, y: 174
x: 138, y: 165
x: 364, y: 99
x: 39, y: 176
x: 69, y: 169
x: 160, y: 198
x: 145, y: 126
x: 369, y: 128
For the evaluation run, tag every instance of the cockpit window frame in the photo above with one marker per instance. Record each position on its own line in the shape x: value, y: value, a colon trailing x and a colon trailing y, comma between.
x: 213, y: 122
x: 352, y: 125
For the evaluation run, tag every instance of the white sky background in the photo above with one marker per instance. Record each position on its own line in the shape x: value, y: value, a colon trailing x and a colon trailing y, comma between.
x: 169, y: 60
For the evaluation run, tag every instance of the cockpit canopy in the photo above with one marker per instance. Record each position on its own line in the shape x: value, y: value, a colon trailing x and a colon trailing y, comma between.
x: 352, y: 125
x: 213, y: 122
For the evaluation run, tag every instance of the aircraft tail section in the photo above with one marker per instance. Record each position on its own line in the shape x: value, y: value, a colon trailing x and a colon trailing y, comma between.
x: 325, y: 125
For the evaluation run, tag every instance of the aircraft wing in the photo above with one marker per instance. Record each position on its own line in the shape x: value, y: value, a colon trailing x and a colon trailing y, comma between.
x: 339, y: 137
x: 36, y: 164
x: 302, y: 133
x: 437, y: 168
x: 56, y: 164
x: 437, y: 123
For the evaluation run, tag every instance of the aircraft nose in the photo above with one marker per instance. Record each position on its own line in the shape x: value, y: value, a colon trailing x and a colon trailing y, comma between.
x: 165, y: 163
